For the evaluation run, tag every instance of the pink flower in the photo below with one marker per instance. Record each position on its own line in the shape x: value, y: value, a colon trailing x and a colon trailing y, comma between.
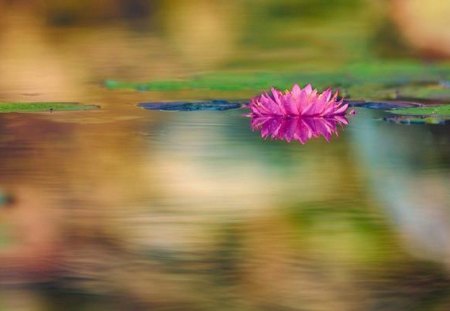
x: 297, y: 102
x: 300, y: 129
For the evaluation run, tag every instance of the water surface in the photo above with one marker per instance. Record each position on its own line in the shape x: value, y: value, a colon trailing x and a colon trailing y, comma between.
x: 152, y: 208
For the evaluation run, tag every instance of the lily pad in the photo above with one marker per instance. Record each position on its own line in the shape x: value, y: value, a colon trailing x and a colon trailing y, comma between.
x: 214, y: 105
x: 420, y: 115
x: 383, y: 105
x: 441, y: 111
x: 43, y: 107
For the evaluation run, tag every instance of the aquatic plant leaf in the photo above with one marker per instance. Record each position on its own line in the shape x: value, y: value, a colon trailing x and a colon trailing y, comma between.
x: 383, y: 105
x: 300, y: 129
x: 43, y: 107
x: 420, y: 115
x: 214, y: 105
x: 441, y: 110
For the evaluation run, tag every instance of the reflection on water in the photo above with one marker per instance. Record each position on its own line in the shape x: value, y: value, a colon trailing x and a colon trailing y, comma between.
x: 300, y: 129
x: 414, y: 192
x: 191, y: 209
x: 127, y: 209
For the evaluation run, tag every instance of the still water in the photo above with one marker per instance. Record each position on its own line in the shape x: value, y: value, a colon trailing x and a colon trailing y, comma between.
x: 194, y: 211
x: 129, y: 209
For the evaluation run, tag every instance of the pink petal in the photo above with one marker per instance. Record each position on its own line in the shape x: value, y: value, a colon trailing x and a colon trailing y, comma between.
x: 308, y: 89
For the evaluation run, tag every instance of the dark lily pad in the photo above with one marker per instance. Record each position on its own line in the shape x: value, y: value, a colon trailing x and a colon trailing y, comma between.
x: 383, y: 105
x: 44, y: 106
x: 214, y: 105
x: 420, y: 115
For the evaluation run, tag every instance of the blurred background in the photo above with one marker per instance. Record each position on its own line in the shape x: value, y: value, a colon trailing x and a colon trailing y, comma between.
x: 61, y: 45
x: 126, y: 209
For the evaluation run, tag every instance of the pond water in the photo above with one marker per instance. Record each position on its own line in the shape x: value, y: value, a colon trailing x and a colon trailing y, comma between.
x: 124, y: 208
x: 137, y: 209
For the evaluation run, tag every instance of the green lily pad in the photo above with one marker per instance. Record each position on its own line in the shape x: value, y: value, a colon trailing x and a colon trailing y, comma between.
x: 441, y: 111
x: 420, y: 115
x: 43, y: 107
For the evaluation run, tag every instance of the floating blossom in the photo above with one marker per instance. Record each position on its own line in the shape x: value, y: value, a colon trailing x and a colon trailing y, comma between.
x: 298, y: 102
x: 300, y: 129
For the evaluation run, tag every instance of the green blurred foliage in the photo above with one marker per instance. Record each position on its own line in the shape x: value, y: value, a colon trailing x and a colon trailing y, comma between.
x: 361, y: 80
x: 43, y: 107
x: 5, y: 238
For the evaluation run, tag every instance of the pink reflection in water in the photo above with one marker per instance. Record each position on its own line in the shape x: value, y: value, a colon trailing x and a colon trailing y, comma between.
x: 300, y: 129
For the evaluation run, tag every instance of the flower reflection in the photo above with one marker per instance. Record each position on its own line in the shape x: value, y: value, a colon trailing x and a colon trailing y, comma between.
x: 300, y: 129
